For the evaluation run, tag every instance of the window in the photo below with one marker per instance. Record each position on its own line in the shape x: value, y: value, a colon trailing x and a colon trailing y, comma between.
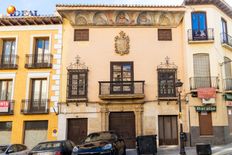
x: 201, y: 65
x: 199, y: 26
x: 38, y: 96
x: 205, y: 123
x: 81, y: 35
x: 122, y: 77
x: 224, y: 31
x: 77, y: 83
x: 8, y: 52
x: 166, y: 83
x: 164, y: 34
x: 41, y: 50
x: 5, y: 89
x: 228, y: 74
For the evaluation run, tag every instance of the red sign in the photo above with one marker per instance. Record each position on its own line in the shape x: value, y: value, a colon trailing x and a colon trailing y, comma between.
x: 229, y: 103
x: 206, y: 93
x: 4, y: 106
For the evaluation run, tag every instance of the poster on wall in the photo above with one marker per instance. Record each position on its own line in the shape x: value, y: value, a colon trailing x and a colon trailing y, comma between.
x: 4, y: 106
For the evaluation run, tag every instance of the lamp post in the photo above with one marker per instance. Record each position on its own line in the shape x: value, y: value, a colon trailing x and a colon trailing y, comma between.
x: 182, y: 148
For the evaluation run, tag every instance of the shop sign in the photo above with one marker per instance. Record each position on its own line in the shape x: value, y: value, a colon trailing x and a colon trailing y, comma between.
x: 4, y: 106
x: 25, y: 13
x: 205, y: 108
x: 229, y: 103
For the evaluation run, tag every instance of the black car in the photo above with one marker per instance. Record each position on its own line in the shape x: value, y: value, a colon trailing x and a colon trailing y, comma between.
x: 106, y: 142
x: 63, y: 147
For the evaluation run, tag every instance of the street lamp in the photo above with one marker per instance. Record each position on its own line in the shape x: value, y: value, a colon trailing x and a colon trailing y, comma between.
x: 179, y: 84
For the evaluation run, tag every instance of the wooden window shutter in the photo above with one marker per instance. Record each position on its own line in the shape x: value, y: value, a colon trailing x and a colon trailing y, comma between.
x: 81, y: 35
x: 164, y: 34
x: 205, y: 123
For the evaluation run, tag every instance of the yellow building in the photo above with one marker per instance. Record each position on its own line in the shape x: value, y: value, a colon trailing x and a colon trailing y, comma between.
x: 30, y: 57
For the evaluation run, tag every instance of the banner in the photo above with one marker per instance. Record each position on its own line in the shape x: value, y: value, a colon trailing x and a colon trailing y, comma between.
x: 4, y: 106
x: 206, y: 93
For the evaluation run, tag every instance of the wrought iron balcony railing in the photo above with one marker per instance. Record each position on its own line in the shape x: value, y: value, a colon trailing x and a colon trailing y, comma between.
x: 30, y: 106
x: 7, y: 107
x: 204, y: 82
x: 9, y: 61
x: 226, y: 39
x: 200, y: 35
x: 38, y: 61
x: 131, y: 89
x: 228, y: 84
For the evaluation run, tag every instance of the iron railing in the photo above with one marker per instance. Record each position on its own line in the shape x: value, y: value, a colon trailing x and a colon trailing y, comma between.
x: 38, y: 61
x: 228, y: 84
x: 198, y: 35
x: 30, y: 106
x: 7, y: 107
x: 9, y: 61
x: 204, y: 82
x: 226, y: 39
x: 121, y: 87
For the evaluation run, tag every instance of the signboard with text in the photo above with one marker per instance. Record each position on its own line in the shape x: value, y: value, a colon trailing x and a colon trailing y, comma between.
x: 4, y: 106
x: 205, y: 108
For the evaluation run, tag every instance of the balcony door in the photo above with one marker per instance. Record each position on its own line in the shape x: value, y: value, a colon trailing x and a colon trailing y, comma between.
x: 5, y: 90
x: 41, y: 51
x: 38, y: 95
x: 199, y: 26
x: 8, y: 52
x: 224, y: 31
x: 201, y: 64
x: 228, y: 77
x: 122, y: 77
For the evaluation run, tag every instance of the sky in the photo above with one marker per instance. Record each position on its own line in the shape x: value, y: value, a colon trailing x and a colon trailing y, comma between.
x: 47, y: 7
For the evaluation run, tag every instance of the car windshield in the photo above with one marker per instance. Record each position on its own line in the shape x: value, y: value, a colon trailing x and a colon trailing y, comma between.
x: 47, y: 146
x: 3, y: 148
x: 100, y: 136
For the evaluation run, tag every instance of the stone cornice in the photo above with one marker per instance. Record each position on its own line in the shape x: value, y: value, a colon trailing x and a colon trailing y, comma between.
x: 156, y: 18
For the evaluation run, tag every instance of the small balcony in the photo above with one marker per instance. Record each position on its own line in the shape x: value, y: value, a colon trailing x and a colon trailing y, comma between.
x: 38, y: 61
x: 203, y: 82
x: 121, y: 89
x: 201, y: 36
x: 226, y: 41
x: 7, y: 107
x: 8, y: 62
x: 30, y: 106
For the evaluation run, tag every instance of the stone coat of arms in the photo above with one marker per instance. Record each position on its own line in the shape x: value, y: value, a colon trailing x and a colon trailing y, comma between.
x: 122, y: 44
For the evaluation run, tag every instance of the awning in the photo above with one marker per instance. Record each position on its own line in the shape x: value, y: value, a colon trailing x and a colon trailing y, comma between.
x: 206, y: 93
x: 228, y: 97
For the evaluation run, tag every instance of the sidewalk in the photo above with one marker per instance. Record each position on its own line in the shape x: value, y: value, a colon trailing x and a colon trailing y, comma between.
x: 174, y: 150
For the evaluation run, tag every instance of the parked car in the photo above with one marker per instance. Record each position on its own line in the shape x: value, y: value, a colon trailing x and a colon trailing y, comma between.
x: 14, y: 149
x: 106, y: 142
x: 62, y: 147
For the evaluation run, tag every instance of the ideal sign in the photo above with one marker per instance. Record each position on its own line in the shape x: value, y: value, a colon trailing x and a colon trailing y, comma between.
x: 25, y: 13
x: 4, y: 106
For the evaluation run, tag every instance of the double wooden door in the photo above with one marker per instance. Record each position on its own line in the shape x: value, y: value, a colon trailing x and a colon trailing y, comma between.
x: 168, y: 130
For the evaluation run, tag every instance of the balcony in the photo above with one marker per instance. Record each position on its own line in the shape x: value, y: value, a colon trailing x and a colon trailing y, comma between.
x: 203, y: 82
x: 7, y: 107
x: 121, y: 89
x: 8, y: 62
x: 226, y: 41
x: 35, y: 106
x: 201, y: 36
x: 34, y: 61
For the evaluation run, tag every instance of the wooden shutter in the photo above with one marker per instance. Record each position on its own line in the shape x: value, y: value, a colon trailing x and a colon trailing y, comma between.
x: 164, y: 34
x: 205, y: 123
x: 81, y: 35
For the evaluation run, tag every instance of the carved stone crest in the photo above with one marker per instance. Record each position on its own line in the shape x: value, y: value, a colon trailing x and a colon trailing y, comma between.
x: 122, y: 44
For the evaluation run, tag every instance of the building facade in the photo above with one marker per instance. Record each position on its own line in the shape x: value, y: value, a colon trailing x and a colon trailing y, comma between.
x: 29, y: 78
x: 208, y: 46
x: 119, y: 68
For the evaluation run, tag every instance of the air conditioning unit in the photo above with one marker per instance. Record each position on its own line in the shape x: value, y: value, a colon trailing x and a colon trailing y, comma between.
x: 209, y: 101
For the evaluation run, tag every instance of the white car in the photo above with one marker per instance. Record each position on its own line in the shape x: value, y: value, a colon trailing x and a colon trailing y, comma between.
x: 13, y: 149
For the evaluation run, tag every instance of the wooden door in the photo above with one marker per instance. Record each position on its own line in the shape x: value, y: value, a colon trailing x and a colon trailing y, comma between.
x: 205, y: 123
x: 77, y: 129
x: 168, y: 130
x: 123, y: 123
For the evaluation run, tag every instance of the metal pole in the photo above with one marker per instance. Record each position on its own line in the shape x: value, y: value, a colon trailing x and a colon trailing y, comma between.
x: 182, y: 148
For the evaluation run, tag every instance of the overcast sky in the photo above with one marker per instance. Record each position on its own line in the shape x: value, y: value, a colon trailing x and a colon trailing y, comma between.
x: 48, y: 6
